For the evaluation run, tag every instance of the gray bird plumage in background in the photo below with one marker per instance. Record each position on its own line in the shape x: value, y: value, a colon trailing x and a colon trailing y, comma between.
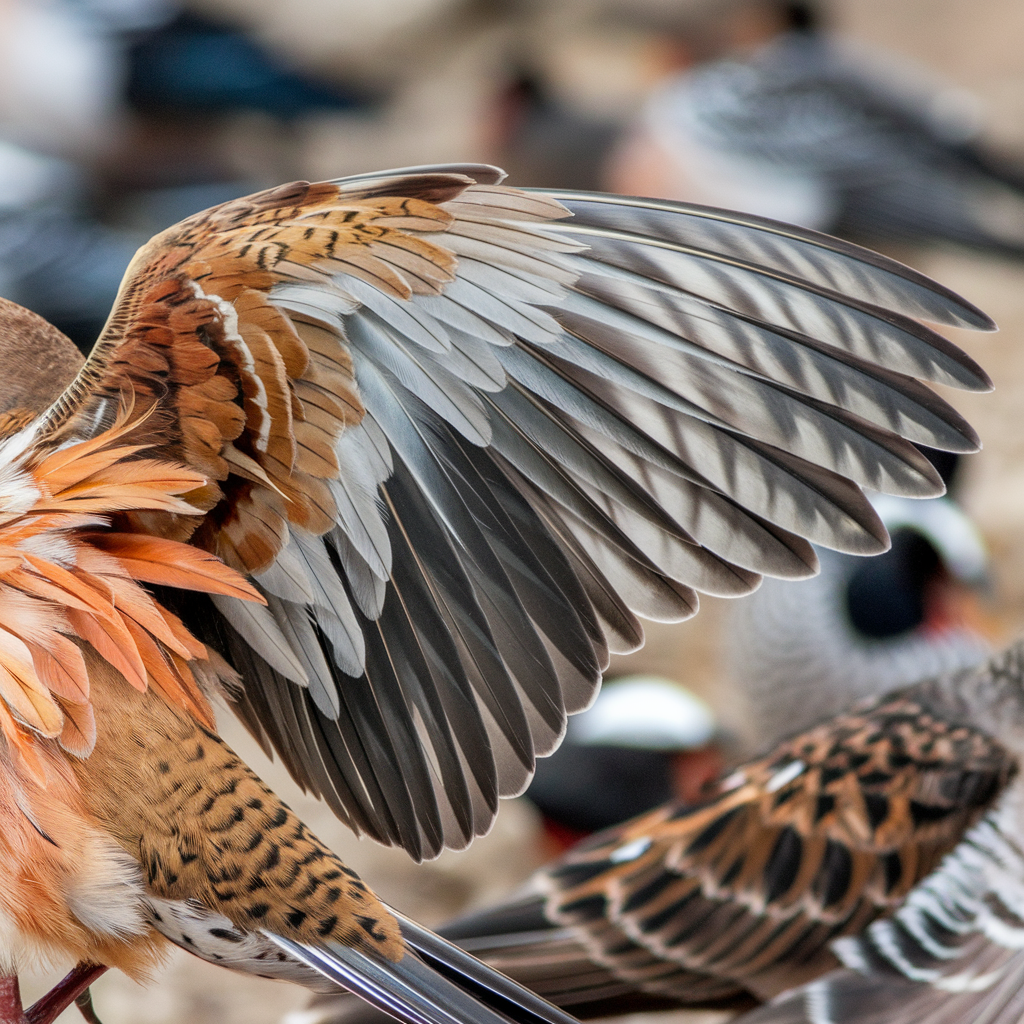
x: 811, y: 130
x: 799, y: 653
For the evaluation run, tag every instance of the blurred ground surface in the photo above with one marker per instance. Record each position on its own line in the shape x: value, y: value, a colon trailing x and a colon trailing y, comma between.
x: 977, y: 45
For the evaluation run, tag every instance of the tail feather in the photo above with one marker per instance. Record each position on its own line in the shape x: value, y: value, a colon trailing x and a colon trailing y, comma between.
x: 395, y: 989
x: 436, y: 982
x: 522, y: 916
x: 489, y: 985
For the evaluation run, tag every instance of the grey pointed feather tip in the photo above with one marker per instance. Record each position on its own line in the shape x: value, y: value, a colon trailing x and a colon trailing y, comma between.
x: 434, y: 983
x: 480, y: 174
x: 868, y: 275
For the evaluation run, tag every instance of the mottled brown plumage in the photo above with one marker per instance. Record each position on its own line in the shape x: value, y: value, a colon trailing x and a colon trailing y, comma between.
x: 163, y: 809
x: 205, y: 828
x: 168, y: 340
x: 953, y: 950
x: 39, y: 361
x: 740, y: 898
x: 814, y: 841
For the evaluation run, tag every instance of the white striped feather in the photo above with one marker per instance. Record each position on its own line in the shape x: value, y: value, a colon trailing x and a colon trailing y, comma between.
x: 888, y: 339
x: 296, y: 622
x: 800, y: 253
x: 287, y: 577
x: 666, y: 317
x: 331, y: 606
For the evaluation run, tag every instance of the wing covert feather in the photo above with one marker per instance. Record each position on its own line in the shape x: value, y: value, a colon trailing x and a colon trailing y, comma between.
x: 952, y: 952
x: 832, y: 829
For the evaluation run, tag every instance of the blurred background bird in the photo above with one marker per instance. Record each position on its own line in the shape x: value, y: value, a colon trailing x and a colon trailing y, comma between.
x: 798, y: 654
x: 644, y: 740
x: 778, y: 117
x: 953, y: 949
x: 915, y: 966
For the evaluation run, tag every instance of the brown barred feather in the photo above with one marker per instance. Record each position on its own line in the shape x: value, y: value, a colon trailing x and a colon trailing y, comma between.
x: 738, y: 899
x: 815, y: 840
x: 205, y: 828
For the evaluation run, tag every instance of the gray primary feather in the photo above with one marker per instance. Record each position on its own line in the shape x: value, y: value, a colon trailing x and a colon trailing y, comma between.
x: 615, y: 405
x: 435, y: 982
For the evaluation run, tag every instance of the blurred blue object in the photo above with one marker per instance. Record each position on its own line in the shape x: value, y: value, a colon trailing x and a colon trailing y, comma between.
x: 195, y: 64
x: 66, y: 268
x: 80, y: 58
x: 812, y: 130
x: 54, y: 259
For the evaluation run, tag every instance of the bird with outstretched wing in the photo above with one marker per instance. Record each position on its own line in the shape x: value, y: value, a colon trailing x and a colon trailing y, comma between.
x: 394, y: 462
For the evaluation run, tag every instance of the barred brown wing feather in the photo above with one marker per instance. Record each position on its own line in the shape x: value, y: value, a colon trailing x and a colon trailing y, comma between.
x: 830, y: 831
x: 461, y: 440
x: 952, y: 952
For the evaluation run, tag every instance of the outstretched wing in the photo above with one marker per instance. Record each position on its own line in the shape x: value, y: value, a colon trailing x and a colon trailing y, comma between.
x: 461, y: 436
x: 953, y: 952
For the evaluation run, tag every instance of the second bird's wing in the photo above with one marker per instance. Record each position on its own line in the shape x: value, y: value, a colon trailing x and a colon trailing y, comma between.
x: 460, y: 436
x: 741, y: 896
x: 954, y: 952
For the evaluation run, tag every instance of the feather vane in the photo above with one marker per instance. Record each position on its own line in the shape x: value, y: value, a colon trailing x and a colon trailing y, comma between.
x: 66, y: 573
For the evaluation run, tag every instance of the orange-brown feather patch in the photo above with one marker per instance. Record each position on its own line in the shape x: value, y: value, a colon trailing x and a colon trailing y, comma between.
x: 169, y: 563
x: 22, y: 691
x: 78, y: 736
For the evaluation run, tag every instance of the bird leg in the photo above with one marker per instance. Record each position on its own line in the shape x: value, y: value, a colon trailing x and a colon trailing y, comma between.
x: 72, y: 989
x: 10, y: 1000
